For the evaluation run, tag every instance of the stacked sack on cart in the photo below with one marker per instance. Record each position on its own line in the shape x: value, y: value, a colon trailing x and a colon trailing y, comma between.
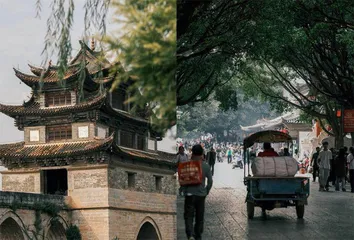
x: 274, y: 167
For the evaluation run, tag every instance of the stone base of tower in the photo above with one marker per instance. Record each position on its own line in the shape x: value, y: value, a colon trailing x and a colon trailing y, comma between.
x: 105, y: 207
x: 129, y: 214
x: 129, y: 224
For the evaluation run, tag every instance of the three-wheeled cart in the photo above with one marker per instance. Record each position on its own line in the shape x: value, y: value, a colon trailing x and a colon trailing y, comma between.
x: 273, y: 192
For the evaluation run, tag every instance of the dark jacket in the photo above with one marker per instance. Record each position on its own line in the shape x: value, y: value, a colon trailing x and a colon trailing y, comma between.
x: 339, y: 166
x: 211, y: 157
x: 314, y: 162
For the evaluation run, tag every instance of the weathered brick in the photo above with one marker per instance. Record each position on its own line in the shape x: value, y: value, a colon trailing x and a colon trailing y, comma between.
x: 21, y: 182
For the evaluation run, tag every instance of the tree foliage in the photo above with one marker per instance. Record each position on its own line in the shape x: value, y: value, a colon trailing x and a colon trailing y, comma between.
x: 302, y: 48
x: 210, y: 117
x: 59, y: 25
x: 292, y: 53
x: 148, y: 48
x: 212, y: 38
x: 145, y: 45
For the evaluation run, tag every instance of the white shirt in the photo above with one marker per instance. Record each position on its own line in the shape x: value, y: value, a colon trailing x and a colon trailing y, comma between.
x: 324, y: 159
x: 350, y: 160
x: 182, y: 158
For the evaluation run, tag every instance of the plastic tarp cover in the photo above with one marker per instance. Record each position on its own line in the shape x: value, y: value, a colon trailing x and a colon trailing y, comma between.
x: 274, y: 167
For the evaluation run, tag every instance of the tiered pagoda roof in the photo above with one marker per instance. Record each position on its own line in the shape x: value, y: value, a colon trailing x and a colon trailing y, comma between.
x: 138, y: 154
x: 96, y: 100
x: 19, y: 154
x: 281, y: 121
x: 97, y: 71
x: 50, y: 79
x: 50, y: 75
x: 58, y: 149
x: 32, y: 108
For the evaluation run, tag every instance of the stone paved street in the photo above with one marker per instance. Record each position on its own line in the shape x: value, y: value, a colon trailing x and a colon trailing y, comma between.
x: 328, y: 215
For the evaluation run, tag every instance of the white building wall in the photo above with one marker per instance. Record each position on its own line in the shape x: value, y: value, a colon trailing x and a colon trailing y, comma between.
x: 168, y: 143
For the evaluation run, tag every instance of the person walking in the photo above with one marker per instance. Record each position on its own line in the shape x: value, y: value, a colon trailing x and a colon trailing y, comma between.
x: 181, y: 155
x: 194, y: 203
x: 314, y: 163
x: 286, y: 152
x: 229, y: 155
x: 350, y: 161
x: 219, y: 154
x: 324, y: 163
x: 346, y: 165
x: 339, y: 167
x: 211, y: 159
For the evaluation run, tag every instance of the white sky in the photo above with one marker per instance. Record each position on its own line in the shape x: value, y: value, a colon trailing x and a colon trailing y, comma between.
x: 21, y: 42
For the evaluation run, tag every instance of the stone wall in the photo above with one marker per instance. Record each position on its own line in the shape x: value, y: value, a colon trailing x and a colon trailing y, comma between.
x: 130, y: 207
x: 93, y: 223
x: 140, y: 201
x: 145, y: 181
x: 104, y: 206
x: 42, y: 135
x: 73, y: 97
x: 22, y: 221
x: 88, y: 187
x: 21, y: 182
x: 75, y: 131
x: 126, y: 224
x: 41, y: 100
x: 17, y: 216
x: 29, y: 199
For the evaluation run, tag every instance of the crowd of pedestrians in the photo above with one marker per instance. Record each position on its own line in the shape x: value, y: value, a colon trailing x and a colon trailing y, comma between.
x: 333, y: 167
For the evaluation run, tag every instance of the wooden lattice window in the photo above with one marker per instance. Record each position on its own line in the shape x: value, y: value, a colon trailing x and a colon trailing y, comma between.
x: 57, y: 99
x: 57, y: 133
x: 158, y: 183
x: 127, y: 139
x: 141, y: 142
x: 119, y: 96
x: 131, y: 179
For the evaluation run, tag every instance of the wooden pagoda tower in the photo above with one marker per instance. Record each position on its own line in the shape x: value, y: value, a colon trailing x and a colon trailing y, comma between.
x: 82, y: 141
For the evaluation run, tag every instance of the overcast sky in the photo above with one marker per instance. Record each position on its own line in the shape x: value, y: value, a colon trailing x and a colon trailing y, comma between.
x: 21, y: 43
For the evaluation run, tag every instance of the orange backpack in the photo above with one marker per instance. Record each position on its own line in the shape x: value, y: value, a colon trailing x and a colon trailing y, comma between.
x: 190, y: 173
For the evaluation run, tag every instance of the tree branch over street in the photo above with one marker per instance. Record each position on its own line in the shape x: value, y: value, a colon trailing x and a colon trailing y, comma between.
x: 145, y: 44
x: 210, y: 33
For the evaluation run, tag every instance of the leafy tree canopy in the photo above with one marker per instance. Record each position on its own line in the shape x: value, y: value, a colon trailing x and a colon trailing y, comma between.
x: 209, y: 117
x: 145, y: 44
x: 212, y: 38
x: 292, y: 53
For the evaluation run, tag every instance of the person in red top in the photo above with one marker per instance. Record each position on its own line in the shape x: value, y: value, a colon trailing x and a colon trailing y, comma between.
x: 268, y: 151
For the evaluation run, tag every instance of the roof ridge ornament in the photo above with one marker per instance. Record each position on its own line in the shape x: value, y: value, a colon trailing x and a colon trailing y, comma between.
x: 93, y: 44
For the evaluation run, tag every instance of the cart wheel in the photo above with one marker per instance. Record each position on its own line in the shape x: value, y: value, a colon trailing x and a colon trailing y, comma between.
x: 300, y: 210
x: 250, y: 210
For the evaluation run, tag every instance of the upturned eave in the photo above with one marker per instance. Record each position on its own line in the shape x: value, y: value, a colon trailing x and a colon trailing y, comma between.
x: 32, y: 108
x: 20, y: 150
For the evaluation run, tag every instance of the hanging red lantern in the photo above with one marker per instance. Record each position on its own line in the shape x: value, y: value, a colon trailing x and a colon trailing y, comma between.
x: 339, y: 113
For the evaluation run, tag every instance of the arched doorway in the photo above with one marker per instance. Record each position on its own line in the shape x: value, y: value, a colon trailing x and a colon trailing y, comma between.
x: 147, y: 232
x: 56, y: 231
x: 10, y: 230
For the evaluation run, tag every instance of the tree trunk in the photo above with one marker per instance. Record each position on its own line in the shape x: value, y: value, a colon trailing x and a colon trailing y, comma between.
x: 339, y: 141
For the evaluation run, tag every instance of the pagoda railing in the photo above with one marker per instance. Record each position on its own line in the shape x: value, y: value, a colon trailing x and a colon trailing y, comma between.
x: 29, y: 200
